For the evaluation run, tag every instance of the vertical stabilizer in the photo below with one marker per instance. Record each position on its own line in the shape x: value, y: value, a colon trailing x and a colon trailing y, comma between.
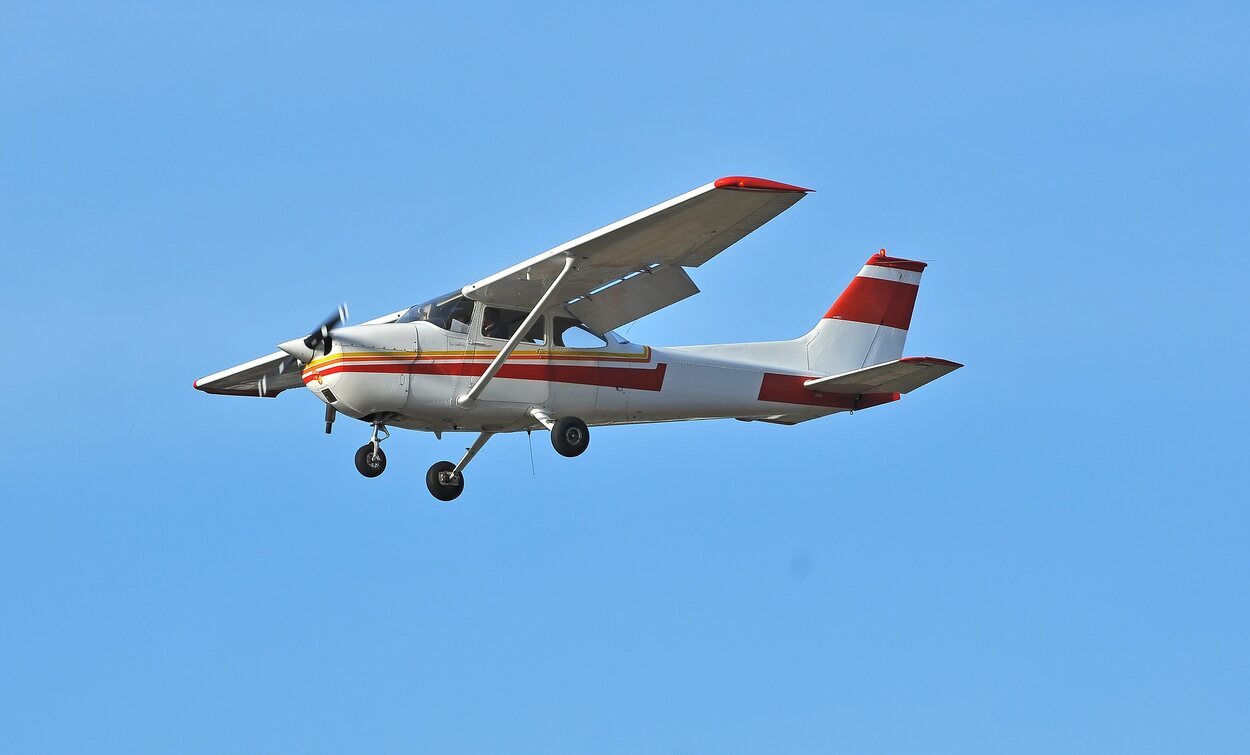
x: 868, y: 323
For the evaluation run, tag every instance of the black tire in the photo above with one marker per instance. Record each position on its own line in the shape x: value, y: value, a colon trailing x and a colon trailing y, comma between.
x: 369, y: 464
x: 570, y: 436
x: 438, y: 489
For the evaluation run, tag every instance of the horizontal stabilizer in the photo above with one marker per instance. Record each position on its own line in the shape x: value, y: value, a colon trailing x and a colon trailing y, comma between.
x: 900, y: 376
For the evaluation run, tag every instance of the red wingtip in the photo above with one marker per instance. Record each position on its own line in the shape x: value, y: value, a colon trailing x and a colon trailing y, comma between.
x: 756, y: 184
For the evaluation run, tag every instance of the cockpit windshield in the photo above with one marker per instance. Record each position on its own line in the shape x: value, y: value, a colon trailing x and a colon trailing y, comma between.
x: 450, y: 312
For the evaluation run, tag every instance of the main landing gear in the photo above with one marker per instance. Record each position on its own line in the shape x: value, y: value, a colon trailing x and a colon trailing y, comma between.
x: 569, y: 436
x: 370, y: 460
x: 446, y: 480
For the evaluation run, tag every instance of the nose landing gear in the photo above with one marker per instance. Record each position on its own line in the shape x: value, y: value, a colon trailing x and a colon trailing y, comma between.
x: 370, y: 460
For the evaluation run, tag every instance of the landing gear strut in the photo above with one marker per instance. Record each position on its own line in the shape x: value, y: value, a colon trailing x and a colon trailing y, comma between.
x: 370, y: 460
x: 446, y: 480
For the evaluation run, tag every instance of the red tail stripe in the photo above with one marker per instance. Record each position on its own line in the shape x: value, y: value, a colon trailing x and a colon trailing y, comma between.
x: 611, y: 377
x: 876, y: 302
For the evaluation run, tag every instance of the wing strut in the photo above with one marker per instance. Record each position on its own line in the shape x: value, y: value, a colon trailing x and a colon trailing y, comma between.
x: 467, y: 399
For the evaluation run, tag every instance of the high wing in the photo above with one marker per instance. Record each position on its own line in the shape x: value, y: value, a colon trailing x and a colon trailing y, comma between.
x: 621, y: 272
x: 265, y: 376
x: 633, y: 267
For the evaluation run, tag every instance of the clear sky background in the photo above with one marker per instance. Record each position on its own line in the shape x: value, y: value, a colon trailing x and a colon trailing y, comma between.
x: 1044, y: 552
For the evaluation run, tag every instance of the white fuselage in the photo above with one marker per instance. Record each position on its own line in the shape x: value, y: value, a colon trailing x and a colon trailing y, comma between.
x: 411, y: 374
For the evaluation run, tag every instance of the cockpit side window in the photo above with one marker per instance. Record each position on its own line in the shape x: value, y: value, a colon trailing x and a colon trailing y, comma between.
x: 572, y: 334
x: 451, y: 312
x: 503, y: 323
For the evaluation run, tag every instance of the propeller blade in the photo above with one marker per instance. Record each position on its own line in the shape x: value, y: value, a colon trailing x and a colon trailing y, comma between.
x: 321, y: 334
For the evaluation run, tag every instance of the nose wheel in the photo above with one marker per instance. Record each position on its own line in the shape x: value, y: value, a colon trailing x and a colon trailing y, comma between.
x: 370, y: 460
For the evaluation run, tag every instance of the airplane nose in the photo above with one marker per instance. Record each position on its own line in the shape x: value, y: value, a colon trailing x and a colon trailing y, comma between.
x: 305, y: 348
x: 298, y: 349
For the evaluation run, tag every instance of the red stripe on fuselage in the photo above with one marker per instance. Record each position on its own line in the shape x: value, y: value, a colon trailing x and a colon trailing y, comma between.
x: 609, y: 377
x: 876, y: 302
x: 789, y: 389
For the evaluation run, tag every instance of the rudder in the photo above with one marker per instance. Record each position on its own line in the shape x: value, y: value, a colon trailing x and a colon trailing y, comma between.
x: 868, y: 323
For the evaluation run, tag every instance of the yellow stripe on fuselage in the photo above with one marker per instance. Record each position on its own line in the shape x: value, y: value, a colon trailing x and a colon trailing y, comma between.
x: 563, y: 355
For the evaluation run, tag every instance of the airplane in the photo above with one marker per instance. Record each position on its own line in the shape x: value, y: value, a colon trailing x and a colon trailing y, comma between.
x: 535, y: 346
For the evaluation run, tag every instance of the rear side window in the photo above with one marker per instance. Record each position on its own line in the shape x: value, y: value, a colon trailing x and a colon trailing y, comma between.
x: 573, y: 335
x: 502, y: 323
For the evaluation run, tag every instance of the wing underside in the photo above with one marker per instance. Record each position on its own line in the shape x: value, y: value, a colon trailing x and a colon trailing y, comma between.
x: 265, y: 377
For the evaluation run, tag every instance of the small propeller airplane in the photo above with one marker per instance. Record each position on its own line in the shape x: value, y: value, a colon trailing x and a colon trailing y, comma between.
x: 533, y: 346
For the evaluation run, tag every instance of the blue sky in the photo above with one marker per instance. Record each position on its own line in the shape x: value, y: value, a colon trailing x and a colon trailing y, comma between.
x: 1044, y: 552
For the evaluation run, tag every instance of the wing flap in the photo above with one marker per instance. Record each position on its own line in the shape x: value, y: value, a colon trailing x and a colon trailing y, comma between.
x: 900, y: 376
x: 634, y: 297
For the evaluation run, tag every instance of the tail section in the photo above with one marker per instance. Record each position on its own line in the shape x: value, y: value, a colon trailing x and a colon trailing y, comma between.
x: 868, y: 323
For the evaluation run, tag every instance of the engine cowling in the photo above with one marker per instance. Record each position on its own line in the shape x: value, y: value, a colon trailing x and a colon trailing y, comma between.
x: 366, y: 371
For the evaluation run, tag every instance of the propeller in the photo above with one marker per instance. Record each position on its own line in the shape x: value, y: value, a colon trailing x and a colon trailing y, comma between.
x: 304, y: 349
x: 320, y: 337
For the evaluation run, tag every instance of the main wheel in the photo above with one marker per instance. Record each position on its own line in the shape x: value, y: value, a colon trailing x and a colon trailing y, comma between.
x: 570, y: 436
x: 440, y: 489
x: 368, y: 463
